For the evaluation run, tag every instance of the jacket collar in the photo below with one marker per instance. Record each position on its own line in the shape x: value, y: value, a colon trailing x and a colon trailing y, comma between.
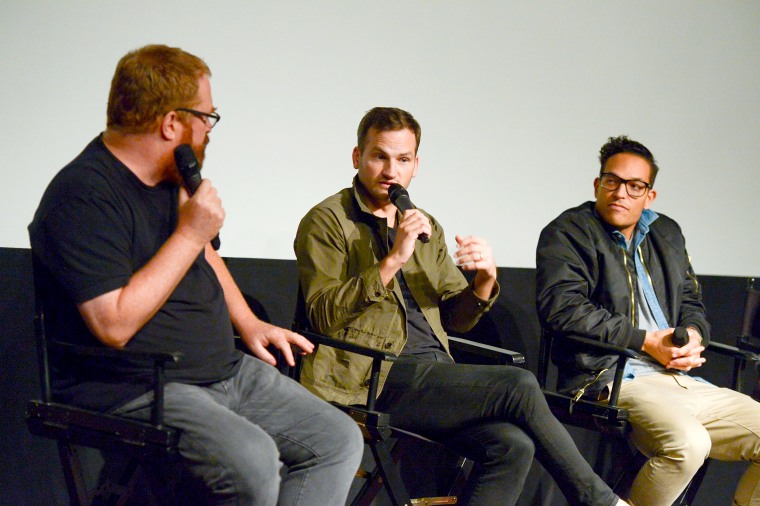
x: 642, y: 227
x: 359, y: 194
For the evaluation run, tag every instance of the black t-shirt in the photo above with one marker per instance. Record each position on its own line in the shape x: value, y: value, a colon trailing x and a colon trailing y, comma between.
x: 421, y: 339
x: 97, y: 225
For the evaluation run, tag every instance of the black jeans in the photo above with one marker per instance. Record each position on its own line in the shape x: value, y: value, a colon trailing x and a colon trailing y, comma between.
x: 496, y: 415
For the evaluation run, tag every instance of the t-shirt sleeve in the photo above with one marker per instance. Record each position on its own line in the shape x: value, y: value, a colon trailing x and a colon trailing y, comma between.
x: 86, y: 241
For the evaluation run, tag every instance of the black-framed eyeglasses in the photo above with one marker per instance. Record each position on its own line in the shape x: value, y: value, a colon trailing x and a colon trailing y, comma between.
x: 211, y: 117
x: 635, y: 187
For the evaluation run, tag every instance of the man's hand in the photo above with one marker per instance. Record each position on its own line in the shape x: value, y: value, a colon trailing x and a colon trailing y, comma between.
x: 411, y: 226
x: 660, y: 346
x: 474, y: 254
x: 261, y: 334
x: 200, y: 216
x: 413, y: 223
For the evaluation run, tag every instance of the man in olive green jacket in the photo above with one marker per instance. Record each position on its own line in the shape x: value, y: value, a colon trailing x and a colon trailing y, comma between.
x: 348, y: 299
x: 375, y: 276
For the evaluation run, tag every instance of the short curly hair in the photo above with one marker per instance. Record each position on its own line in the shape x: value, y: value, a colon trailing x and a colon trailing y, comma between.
x: 622, y: 144
x: 150, y: 82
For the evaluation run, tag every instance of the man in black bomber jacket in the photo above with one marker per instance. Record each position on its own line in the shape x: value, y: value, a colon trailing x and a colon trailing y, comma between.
x: 615, y: 271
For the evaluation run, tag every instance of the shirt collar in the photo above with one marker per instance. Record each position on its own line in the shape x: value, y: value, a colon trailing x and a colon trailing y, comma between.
x: 642, y: 227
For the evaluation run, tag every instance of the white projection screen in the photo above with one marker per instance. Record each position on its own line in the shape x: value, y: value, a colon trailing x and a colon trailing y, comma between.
x: 514, y: 98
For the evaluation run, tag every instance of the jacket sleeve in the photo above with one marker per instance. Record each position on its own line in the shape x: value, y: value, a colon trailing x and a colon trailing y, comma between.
x: 567, y: 272
x: 460, y: 308
x: 692, y: 310
x: 331, y: 295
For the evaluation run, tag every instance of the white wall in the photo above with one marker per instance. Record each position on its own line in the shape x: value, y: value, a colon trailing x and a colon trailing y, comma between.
x: 514, y: 98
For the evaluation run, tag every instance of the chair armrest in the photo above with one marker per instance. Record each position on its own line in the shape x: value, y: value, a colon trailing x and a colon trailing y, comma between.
x: 508, y: 356
x: 373, y: 353
x: 605, y: 347
x: 746, y: 343
x: 106, y: 352
x: 733, y: 351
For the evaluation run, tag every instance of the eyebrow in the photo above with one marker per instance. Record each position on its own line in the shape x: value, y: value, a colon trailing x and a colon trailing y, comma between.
x: 377, y: 149
x: 624, y: 179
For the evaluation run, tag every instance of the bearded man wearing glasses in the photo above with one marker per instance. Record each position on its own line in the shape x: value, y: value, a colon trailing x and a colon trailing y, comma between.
x: 125, y: 252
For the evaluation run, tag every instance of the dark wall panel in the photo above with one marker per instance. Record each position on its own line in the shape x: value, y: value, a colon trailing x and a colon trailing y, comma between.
x: 30, y: 474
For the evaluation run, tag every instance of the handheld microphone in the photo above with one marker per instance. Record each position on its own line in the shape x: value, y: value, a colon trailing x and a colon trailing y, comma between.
x: 400, y: 198
x: 680, y: 337
x: 190, y: 171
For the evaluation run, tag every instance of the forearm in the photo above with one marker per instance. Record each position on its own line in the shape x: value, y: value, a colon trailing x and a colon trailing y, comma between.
x: 240, y: 313
x: 463, y: 311
x: 388, y: 267
x: 115, y: 317
x: 484, y: 284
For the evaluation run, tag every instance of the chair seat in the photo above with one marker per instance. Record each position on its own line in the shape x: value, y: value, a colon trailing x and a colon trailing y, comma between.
x: 98, y: 430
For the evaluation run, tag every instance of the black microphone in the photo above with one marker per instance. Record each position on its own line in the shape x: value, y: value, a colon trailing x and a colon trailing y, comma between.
x: 400, y: 198
x: 680, y: 337
x: 190, y: 170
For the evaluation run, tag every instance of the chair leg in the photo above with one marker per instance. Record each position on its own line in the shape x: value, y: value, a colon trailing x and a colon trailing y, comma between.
x: 369, y: 489
x: 72, y: 473
x: 390, y: 475
x: 461, y: 476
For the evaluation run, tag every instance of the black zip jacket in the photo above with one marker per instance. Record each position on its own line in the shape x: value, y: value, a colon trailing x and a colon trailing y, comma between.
x: 586, y: 285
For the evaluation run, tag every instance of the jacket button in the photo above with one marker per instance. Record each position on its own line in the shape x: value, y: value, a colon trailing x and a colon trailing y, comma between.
x: 388, y: 346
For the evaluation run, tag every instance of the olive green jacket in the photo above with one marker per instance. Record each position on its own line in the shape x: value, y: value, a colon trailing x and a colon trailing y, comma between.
x: 338, y: 246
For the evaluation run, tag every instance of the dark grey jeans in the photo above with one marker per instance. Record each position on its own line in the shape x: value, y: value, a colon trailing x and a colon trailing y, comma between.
x: 496, y: 415
x: 238, y: 433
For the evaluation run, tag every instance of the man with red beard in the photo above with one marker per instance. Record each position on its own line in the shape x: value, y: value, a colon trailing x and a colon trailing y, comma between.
x: 126, y: 260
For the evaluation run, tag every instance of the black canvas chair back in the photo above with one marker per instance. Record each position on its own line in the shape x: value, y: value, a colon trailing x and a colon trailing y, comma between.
x: 151, y: 447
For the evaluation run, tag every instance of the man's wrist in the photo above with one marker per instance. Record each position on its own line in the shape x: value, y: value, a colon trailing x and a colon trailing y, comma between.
x: 694, y: 332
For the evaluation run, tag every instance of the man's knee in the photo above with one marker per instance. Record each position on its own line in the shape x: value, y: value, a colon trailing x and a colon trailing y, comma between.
x: 513, y: 444
x: 523, y: 381
x: 342, y: 436
x: 687, y: 449
x: 250, y: 472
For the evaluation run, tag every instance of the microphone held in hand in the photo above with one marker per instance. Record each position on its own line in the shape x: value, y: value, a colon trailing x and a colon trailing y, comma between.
x: 190, y: 171
x: 400, y: 198
x: 680, y: 337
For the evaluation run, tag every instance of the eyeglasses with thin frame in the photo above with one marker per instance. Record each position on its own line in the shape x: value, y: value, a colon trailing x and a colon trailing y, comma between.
x: 635, y: 187
x: 211, y: 117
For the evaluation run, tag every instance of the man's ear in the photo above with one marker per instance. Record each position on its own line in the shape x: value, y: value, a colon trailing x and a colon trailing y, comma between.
x: 596, y: 187
x: 169, y: 125
x: 355, y: 155
x: 416, y: 166
x: 650, y: 196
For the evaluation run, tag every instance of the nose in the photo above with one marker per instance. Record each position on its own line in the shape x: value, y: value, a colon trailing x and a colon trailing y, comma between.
x: 390, y: 169
x: 621, y: 191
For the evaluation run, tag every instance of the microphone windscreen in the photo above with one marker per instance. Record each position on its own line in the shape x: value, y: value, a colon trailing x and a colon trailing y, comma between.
x: 190, y: 172
x: 680, y: 337
x: 188, y: 167
x: 400, y: 197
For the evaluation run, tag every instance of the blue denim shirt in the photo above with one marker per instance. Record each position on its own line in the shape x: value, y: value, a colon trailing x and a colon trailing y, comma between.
x: 646, y: 365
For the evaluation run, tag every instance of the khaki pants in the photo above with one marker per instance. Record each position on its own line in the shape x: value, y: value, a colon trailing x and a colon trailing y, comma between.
x: 678, y: 422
